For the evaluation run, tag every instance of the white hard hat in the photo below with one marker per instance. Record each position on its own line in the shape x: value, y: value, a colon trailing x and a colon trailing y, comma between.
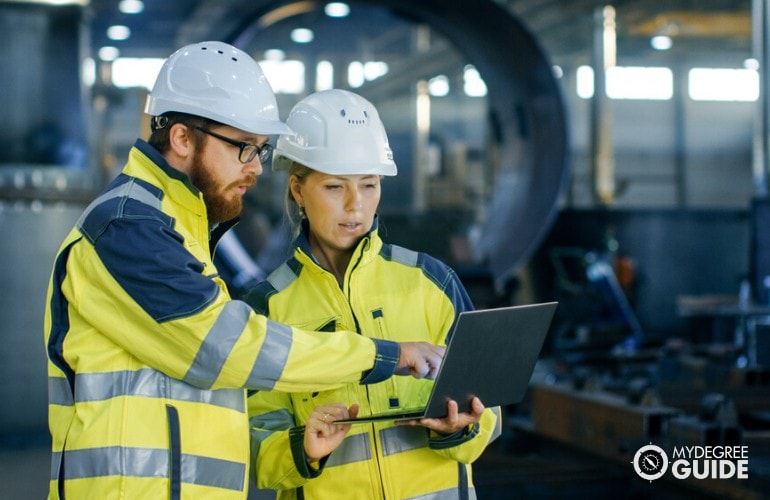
x: 338, y: 133
x: 217, y: 81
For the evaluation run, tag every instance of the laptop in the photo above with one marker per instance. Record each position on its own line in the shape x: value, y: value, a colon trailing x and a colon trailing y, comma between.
x: 491, y: 354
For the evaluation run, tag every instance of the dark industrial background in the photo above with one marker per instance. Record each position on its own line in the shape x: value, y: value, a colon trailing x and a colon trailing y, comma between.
x: 646, y: 219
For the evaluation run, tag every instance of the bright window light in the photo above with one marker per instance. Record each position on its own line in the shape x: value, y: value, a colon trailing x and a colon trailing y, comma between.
x: 718, y: 84
x: 118, y: 32
x: 324, y: 76
x: 473, y: 84
x: 128, y: 72
x: 88, y: 71
x: 337, y: 9
x: 356, y: 74
x: 585, y: 82
x: 302, y: 35
x: 438, y: 86
x: 629, y: 82
x: 285, y: 77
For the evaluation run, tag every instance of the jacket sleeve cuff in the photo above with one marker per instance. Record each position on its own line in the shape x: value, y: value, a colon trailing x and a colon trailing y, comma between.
x: 296, y: 442
x: 456, y: 439
x: 385, y: 362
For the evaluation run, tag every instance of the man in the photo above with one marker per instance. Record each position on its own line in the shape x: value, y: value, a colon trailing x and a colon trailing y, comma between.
x: 149, y: 357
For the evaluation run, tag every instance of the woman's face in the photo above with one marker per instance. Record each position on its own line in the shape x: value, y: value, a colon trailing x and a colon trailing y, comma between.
x: 340, y: 209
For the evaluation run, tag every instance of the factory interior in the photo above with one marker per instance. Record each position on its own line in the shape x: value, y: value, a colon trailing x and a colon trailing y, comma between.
x: 611, y: 156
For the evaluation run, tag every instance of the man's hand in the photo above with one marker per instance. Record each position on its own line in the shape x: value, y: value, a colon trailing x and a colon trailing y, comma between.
x: 453, y: 422
x: 420, y: 359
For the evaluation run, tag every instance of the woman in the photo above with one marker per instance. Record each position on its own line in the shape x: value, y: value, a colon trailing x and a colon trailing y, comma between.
x: 343, y: 276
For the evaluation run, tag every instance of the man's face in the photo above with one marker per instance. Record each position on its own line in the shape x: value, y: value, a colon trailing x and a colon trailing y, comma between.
x: 221, y: 177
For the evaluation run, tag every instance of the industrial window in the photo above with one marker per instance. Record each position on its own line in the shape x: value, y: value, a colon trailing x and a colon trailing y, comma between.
x: 720, y: 84
x: 629, y: 82
x: 286, y: 77
x: 128, y: 72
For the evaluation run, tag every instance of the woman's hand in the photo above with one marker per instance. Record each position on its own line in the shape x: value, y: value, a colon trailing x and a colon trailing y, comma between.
x: 322, y: 435
x: 453, y: 422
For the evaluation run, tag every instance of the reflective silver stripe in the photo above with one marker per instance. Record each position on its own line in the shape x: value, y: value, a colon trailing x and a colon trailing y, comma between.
x: 147, y: 383
x: 282, y: 277
x: 218, y: 344
x: 400, y: 439
x: 149, y: 462
x: 276, y: 420
x: 404, y: 255
x: 354, y: 448
x: 59, y: 392
x: 130, y: 189
x: 449, y: 494
x: 272, y: 357
x: 262, y: 427
x: 55, y: 464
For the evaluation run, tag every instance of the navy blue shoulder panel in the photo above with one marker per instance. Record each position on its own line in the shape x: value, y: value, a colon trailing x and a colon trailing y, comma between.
x: 258, y: 298
x: 138, y: 245
x: 444, y: 277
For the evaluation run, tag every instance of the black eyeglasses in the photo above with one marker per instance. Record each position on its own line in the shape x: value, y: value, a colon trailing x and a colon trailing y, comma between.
x: 246, y: 152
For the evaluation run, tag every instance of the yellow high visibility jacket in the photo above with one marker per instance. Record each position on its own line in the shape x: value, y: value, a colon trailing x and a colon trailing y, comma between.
x: 149, y: 358
x: 390, y: 293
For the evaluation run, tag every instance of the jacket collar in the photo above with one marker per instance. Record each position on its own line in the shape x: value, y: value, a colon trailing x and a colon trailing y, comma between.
x: 148, y: 163
x: 370, y: 240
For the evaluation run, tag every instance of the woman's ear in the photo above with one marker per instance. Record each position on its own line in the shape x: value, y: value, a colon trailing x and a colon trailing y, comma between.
x: 295, y: 186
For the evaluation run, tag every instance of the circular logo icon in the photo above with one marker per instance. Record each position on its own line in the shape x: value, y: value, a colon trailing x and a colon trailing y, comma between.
x: 650, y: 462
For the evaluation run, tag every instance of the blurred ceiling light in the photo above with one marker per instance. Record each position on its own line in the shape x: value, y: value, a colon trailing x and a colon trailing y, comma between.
x: 108, y: 53
x: 557, y: 71
x: 375, y: 69
x: 302, y: 35
x: 751, y: 63
x: 337, y: 9
x: 131, y: 6
x: 473, y: 84
x: 438, y: 86
x: 661, y: 42
x: 118, y: 32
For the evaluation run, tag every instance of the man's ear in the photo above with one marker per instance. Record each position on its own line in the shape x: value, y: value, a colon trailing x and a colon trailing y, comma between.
x: 180, y: 140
